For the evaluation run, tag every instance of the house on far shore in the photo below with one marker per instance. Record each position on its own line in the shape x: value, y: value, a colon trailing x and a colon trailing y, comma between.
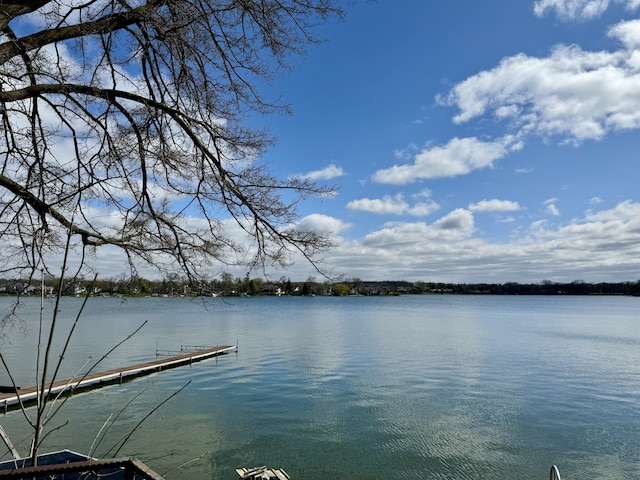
x: 271, y: 290
x: 19, y: 288
x: 75, y: 289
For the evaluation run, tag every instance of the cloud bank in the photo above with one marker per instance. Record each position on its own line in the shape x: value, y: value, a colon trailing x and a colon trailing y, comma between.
x: 599, y: 246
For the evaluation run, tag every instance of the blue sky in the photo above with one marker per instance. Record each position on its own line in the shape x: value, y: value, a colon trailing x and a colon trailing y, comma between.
x: 471, y: 141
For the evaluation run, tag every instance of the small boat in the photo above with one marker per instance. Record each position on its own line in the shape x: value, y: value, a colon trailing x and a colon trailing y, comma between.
x: 262, y: 473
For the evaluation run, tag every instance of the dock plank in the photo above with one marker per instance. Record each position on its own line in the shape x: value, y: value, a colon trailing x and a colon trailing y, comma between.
x: 28, y: 395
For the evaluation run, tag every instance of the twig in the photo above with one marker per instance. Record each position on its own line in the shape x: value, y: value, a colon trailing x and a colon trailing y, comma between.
x: 116, y: 418
x: 114, y: 348
x: 62, y: 391
x: 7, y: 442
x: 95, y: 439
x: 195, y: 459
x: 99, y: 361
x: 70, y: 334
x: 15, y: 386
x: 54, y: 430
x: 126, y: 439
x: 43, y: 393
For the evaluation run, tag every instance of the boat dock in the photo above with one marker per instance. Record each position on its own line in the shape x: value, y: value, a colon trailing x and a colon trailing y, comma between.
x: 28, y: 396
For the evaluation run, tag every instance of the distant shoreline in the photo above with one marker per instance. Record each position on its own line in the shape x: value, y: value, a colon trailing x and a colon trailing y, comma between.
x: 356, y: 288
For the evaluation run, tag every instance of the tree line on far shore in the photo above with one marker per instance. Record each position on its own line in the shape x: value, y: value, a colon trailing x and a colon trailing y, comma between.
x: 227, y: 285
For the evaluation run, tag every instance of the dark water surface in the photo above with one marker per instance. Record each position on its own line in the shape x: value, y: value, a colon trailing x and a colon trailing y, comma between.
x: 429, y: 387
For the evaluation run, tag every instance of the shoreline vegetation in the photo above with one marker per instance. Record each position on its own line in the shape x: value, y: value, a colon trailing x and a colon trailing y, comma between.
x: 227, y: 286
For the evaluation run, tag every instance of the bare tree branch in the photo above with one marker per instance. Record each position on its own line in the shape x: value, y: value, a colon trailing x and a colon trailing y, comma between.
x: 131, y: 120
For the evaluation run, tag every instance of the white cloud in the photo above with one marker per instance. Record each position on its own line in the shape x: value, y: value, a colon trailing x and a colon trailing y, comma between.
x: 396, y: 205
x: 553, y: 210
x: 324, y: 224
x: 595, y: 201
x: 423, y: 209
x: 551, y: 207
x: 328, y: 173
x: 579, y: 9
x: 458, y: 157
x: 457, y: 225
x: 460, y: 221
x: 573, y: 93
x: 385, y: 205
x: 627, y: 212
x: 628, y: 32
x: 571, y: 9
x: 609, y: 235
x: 424, y: 193
x: 494, y: 205
x: 406, y: 153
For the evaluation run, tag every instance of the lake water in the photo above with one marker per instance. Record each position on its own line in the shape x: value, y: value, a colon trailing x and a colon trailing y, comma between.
x: 429, y: 387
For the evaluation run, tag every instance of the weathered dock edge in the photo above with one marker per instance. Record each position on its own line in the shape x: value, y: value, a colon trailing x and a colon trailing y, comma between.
x: 28, y: 396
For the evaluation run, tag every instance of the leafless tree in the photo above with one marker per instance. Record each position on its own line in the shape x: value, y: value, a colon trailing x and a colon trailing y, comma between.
x: 125, y: 123
x: 124, y: 126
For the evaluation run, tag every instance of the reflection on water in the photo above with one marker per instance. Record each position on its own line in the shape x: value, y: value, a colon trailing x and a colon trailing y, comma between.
x: 434, y: 387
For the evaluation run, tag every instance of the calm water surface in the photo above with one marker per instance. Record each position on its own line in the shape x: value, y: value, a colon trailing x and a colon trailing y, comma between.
x: 429, y: 387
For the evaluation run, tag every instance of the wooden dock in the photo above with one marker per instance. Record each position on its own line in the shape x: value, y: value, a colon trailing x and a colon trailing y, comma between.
x: 28, y: 396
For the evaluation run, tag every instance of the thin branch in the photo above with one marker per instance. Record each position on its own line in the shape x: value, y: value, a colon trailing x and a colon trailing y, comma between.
x: 120, y: 412
x: 23, y: 408
x: 8, y: 444
x: 100, y: 360
x: 126, y: 439
x: 184, y: 464
x: 55, y: 429
x: 98, y: 436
